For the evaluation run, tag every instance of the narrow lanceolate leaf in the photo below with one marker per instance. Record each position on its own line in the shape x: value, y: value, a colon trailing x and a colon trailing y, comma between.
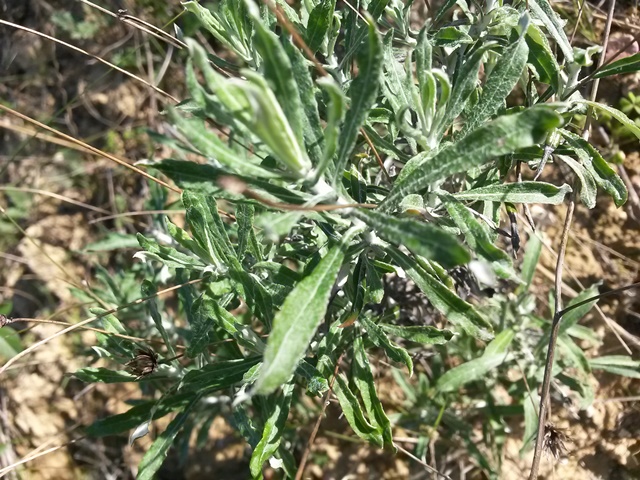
x: 628, y: 64
x: 474, y: 232
x: 425, y: 334
x: 207, y: 228
x: 201, y: 323
x: 420, y: 237
x: 542, y: 58
x: 353, y: 412
x: 103, y: 375
x: 398, y: 87
x: 529, y: 262
x: 380, y: 339
x: 574, y: 316
x: 133, y: 417
x: 314, y: 139
x: 335, y: 115
x: 217, y: 375
x: 606, y: 177
x: 319, y: 22
x: 148, y: 290
x: 362, y: 378
x: 252, y: 103
x: 205, y: 179
x: 168, y: 256
x: 498, y: 137
x: 543, y: 11
x: 246, y: 235
x: 296, y: 322
x: 362, y: 92
x: 465, y: 83
x: 278, y: 71
x: 588, y: 187
x: 476, y: 369
x: 523, y: 192
x: 615, y: 113
x: 618, y: 364
x: 208, y: 144
x: 153, y: 459
x: 278, y: 409
x: 454, y: 309
x: 501, y: 81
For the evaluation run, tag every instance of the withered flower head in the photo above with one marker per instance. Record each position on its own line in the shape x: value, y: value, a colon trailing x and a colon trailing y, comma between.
x: 4, y: 320
x: 553, y: 441
x: 144, y: 363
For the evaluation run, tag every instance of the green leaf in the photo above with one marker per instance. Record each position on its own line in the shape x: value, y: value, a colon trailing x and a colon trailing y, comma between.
x: 314, y: 139
x: 628, y: 64
x: 618, y: 364
x: 378, y: 336
x: 420, y: 237
x: 574, y: 355
x: 615, y: 113
x: 588, y: 187
x: 113, y: 344
x: 494, y: 355
x: 443, y: 10
x: 209, y: 230
x: 543, y: 11
x: 365, y: 384
x: 293, y: 327
x: 254, y: 104
x: 425, y: 334
x: 148, y: 290
x: 246, y: 235
x: 604, y: 176
x: 362, y: 93
x: 319, y: 22
x: 219, y: 28
x: 529, y: 262
x: 103, y: 375
x: 451, y: 37
x: 168, y: 256
x: 10, y: 343
x: 278, y: 406
x: 542, y: 58
x: 468, y: 372
x: 278, y: 71
x: 150, y: 410
x: 336, y: 111
x: 521, y: 192
x: 474, y: 232
x: 572, y: 317
x: 208, y: 144
x: 155, y: 456
x: 353, y: 412
x: 201, y: 323
x: 113, y: 241
x: 217, y: 375
x: 456, y: 310
x: 466, y: 80
x: 531, y: 402
x: 243, y: 334
x: 502, y: 79
x: 398, y: 87
x: 498, y: 137
x: 185, y: 240
x: 204, y: 179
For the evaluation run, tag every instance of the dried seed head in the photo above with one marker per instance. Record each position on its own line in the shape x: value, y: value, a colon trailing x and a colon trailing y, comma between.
x: 144, y: 363
x: 4, y: 320
x: 553, y: 441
